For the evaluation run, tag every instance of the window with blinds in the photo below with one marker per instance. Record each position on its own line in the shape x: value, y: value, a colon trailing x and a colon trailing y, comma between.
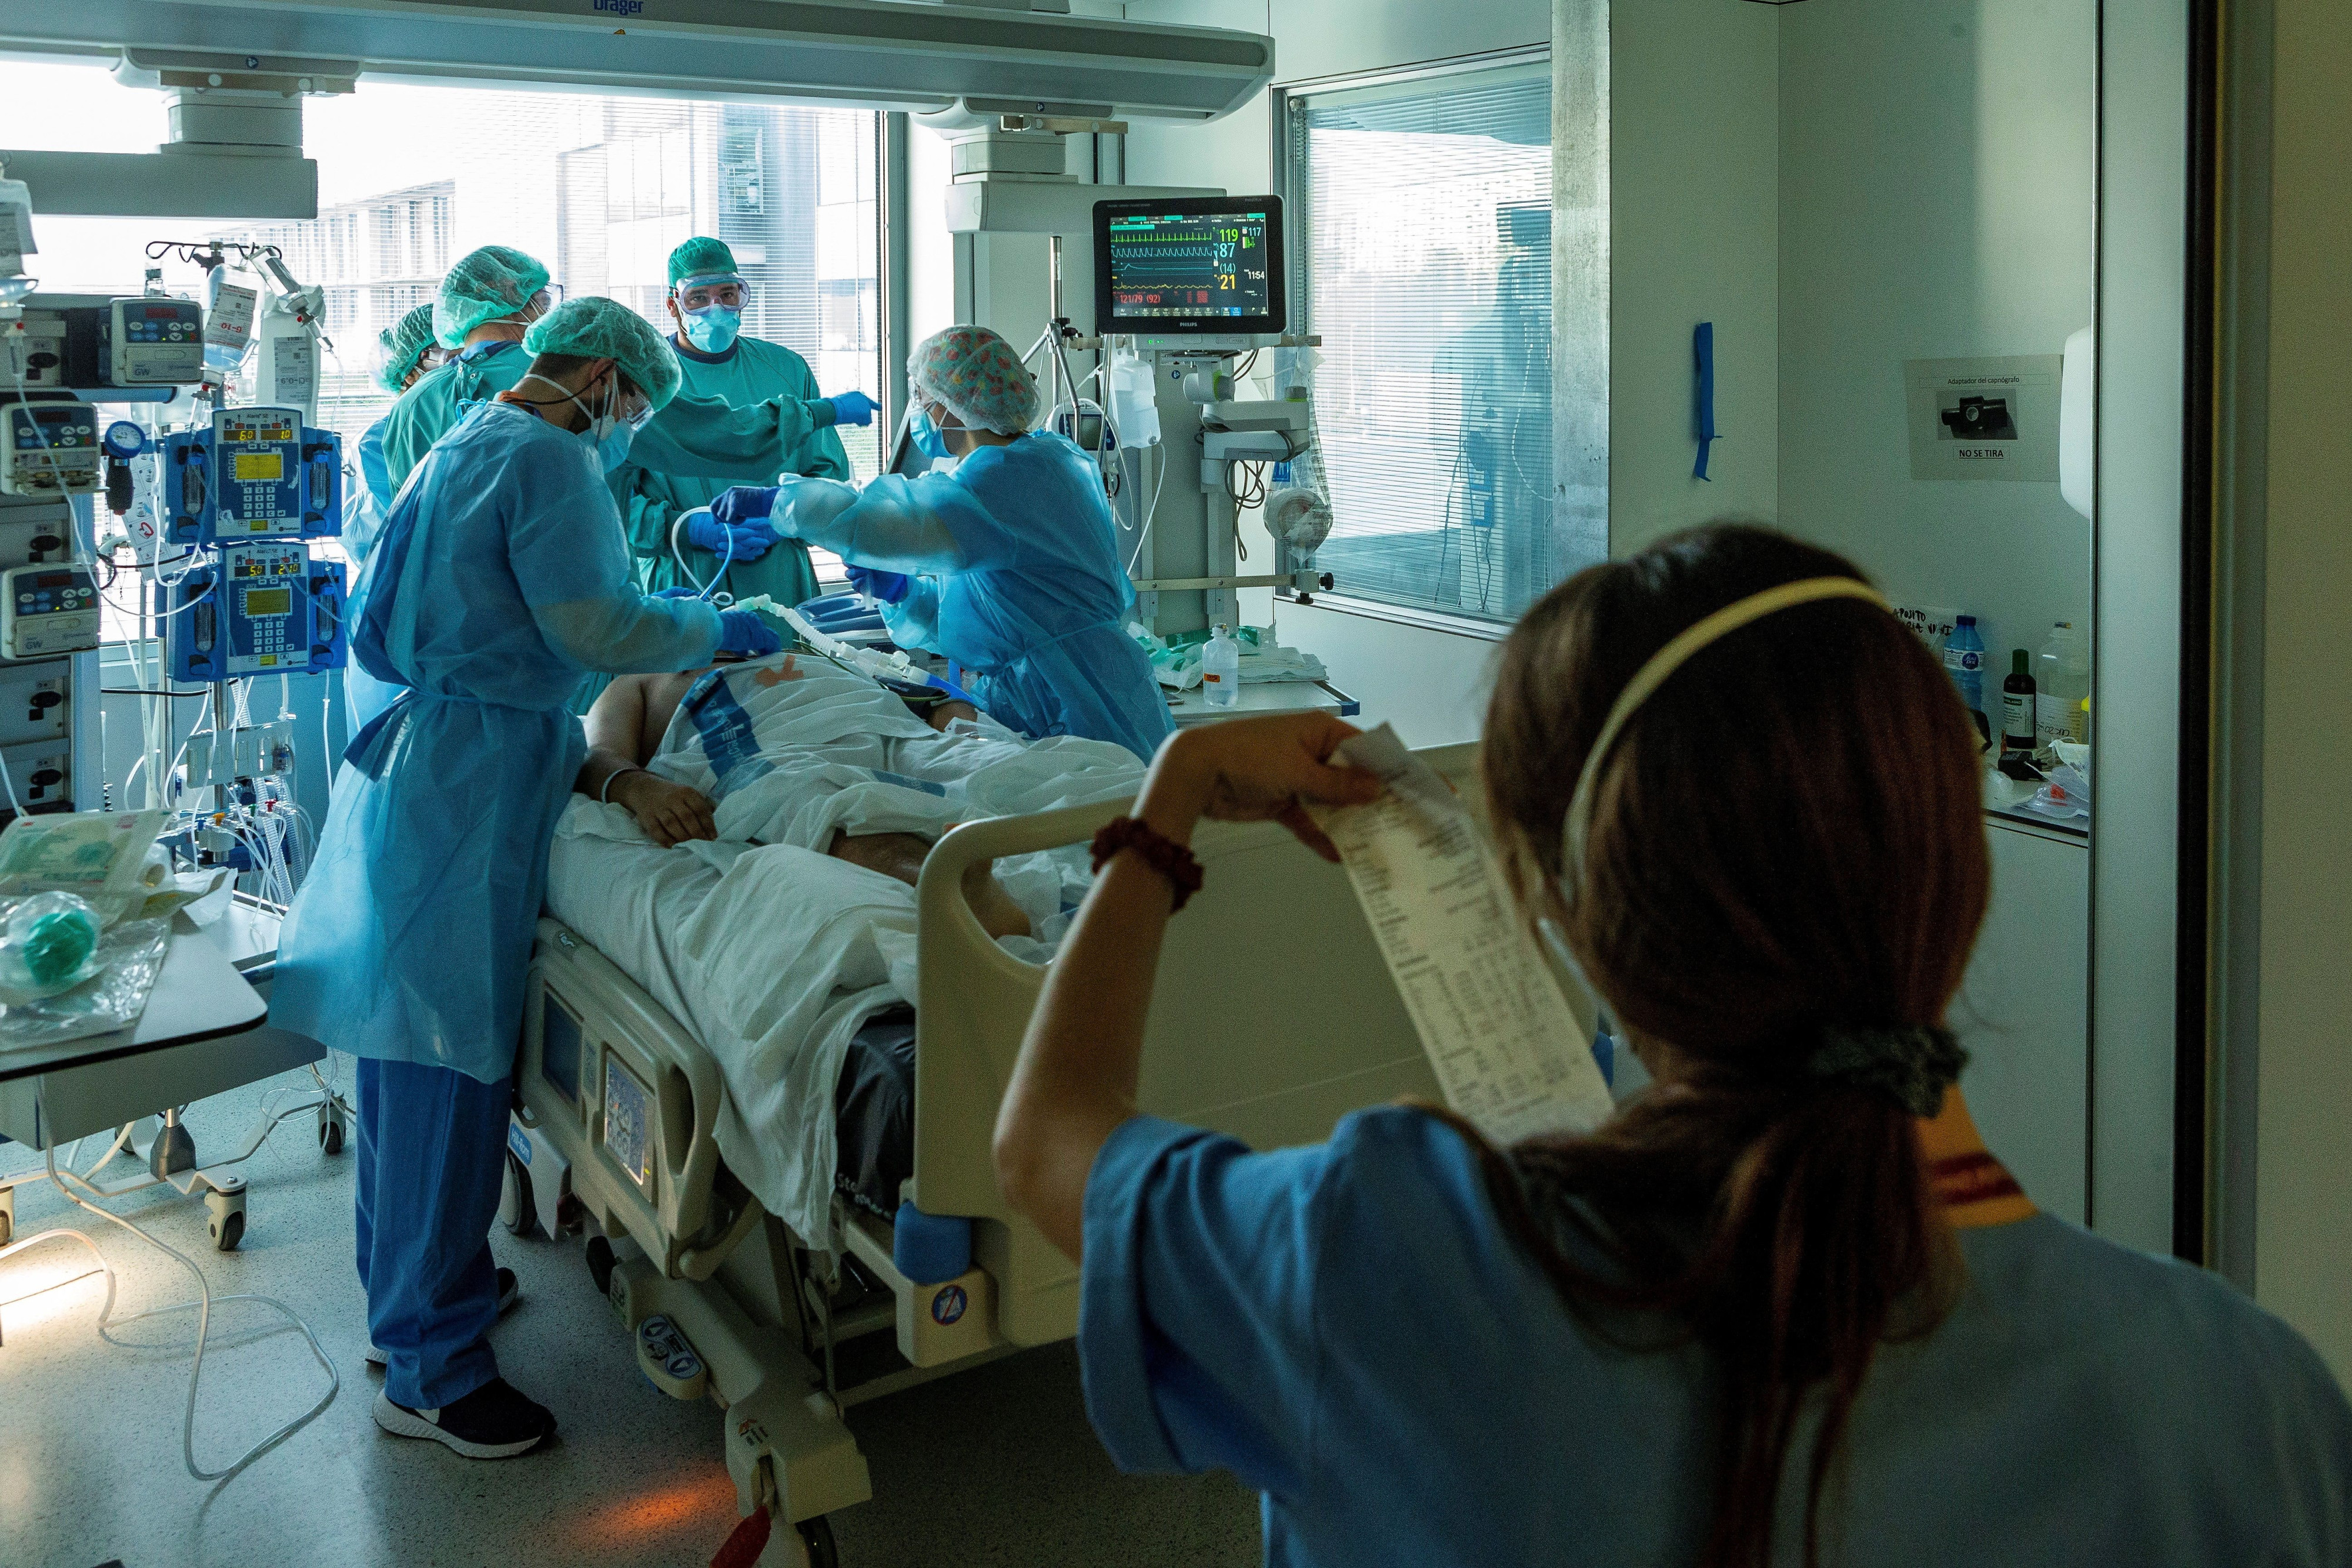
x: 1422, y: 243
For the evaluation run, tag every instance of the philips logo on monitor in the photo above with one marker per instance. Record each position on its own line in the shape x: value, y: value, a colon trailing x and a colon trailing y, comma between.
x: 622, y: 7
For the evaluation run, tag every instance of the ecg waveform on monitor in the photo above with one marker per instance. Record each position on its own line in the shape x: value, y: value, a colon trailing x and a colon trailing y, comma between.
x: 1188, y: 267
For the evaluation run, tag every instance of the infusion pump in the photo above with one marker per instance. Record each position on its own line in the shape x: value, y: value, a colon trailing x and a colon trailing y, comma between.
x: 49, y: 449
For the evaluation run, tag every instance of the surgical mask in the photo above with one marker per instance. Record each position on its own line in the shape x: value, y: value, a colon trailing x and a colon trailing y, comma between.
x: 928, y: 439
x: 711, y: 329
x: 607, y: 432
x: 613, y: 435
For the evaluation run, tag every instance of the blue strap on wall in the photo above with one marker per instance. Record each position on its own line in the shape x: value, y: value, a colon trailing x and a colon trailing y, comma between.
x: 1703, y: 357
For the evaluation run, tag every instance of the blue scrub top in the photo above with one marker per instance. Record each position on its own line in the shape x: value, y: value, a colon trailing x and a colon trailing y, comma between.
x: 1346, y: 1328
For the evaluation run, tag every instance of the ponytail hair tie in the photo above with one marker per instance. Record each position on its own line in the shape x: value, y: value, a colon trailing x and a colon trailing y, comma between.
x: 1911, y: 1065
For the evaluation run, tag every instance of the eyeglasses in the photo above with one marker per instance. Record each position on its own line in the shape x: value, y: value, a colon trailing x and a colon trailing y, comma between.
x: 545, y: 300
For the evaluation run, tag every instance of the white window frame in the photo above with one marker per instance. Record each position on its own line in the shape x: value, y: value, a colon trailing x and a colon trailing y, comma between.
x: 1298, y: 242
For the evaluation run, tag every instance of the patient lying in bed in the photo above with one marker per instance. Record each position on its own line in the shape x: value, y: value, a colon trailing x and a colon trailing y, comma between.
x: 840, y: 721
x: 755, y: 880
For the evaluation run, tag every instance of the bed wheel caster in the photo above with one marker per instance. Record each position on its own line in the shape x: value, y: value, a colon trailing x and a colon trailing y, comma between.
x: 225, y: 1219
x: 330, y: 1129
x: 516, y: 1211
x: 816, y: 1541
x: 808, y: 1544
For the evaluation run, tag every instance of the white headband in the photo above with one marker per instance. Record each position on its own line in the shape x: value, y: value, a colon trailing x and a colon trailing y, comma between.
x: 1666, y: 661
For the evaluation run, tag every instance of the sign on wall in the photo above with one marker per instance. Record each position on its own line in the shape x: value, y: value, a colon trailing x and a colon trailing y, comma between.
x: 1984, y: 419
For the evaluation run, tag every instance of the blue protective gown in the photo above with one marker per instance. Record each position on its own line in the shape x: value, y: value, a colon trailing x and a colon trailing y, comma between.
x: 364, y: 697
x: 500, y: 575
x: 1017, y: 578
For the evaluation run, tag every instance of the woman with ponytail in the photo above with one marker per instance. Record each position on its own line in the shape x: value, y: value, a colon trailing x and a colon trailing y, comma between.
x: 1784, y: 1308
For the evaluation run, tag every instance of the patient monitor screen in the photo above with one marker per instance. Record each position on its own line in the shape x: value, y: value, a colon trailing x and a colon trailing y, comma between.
x: 1197, y: 265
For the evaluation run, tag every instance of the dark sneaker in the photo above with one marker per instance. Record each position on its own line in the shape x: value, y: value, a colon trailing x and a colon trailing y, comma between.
x: 509, y: 1293
x: 493, y: 1422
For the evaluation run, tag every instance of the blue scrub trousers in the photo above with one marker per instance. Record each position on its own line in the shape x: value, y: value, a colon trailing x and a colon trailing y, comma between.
x: 431, y: 1150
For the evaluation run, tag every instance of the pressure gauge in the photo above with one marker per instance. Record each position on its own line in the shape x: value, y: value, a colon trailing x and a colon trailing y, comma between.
x: 124, y: 440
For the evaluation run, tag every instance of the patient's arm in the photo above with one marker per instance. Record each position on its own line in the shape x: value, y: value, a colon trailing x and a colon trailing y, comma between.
x: 622, y: 737
x: 900, y: 855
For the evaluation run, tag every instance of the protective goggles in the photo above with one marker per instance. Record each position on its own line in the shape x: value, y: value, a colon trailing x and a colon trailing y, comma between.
x: 726, y: 290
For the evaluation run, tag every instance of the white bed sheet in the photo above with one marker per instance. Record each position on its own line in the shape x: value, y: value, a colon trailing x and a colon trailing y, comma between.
x: 774, y: 955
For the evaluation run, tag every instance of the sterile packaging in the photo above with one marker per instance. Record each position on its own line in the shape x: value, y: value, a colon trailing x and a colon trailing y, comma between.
x: 48, y: 945
x: 102, y: 856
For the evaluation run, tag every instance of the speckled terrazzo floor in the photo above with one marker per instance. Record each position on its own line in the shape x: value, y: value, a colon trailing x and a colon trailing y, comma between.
x: 996, y: 1466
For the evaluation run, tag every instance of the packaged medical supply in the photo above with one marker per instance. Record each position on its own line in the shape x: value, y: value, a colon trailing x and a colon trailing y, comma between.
x: 1221, y: 669
x: 56, y: 987
x: 2065, y: 792
x: 1964, y: 653
x: 48, y: 943
x: 1176, y: 659
x: 101, y: 856
x: 2062, y: 680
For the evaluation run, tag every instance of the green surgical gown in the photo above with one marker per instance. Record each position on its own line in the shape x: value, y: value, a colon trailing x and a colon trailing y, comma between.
x: 750, y: 373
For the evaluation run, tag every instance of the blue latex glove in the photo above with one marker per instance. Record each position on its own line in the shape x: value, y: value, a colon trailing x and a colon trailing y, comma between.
x: 745, y: 504
x: 853, y: 408
x: 748, y: 633
x: 884, y: 587
x: 676, y: 593
x: 730, y: 541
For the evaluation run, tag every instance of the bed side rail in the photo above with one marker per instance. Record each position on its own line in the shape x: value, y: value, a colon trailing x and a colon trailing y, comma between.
x: 1274, y: 1015
x: 631, y: 1099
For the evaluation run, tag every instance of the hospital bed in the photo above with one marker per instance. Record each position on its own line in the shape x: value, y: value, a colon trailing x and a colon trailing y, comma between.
x: 1273, y: 1015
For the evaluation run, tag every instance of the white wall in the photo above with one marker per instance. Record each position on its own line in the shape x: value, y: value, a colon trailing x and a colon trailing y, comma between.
x: 2303, y: 1152
x: 1695, y: 96
x: 1936, y: 167
x: 1693, y: 176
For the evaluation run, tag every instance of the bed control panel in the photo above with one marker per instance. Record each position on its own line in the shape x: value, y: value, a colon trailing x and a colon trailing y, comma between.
x: 629, y: 1123
x: 668, y: 1361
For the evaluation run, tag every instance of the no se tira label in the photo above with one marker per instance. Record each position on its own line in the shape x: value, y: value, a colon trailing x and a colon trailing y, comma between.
x: 1507, y: 1053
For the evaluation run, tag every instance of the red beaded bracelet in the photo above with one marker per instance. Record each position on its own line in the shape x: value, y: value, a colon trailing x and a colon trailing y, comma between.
x: 1156, y: 850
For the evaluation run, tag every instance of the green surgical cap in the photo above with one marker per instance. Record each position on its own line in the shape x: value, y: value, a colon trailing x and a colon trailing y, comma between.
x: 487, y: 284
x: 403, y: 341
x: 595, y: 328
x: 702, y: 257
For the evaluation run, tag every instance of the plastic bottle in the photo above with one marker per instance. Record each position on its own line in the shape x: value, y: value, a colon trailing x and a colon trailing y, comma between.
x: 2061, y: 677
x: 2017, y: 703
x: 1964, y: 653
x: 1221, y: 669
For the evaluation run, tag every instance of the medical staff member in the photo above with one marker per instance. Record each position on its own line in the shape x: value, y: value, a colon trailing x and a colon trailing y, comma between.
x: 509, y: 576
x: 484, y: 306
x: 1020, y: 582
x: 1783, y: 1307
x: 707, y: 299
x: 410, y: 352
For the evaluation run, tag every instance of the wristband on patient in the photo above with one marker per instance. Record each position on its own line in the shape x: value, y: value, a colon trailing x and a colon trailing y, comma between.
x: 1162, y: 854
x: 604, y: 795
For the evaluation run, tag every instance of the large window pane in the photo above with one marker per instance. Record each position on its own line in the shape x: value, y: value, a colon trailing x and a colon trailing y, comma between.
x: 600, y: 189
x: 1426, y: 212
